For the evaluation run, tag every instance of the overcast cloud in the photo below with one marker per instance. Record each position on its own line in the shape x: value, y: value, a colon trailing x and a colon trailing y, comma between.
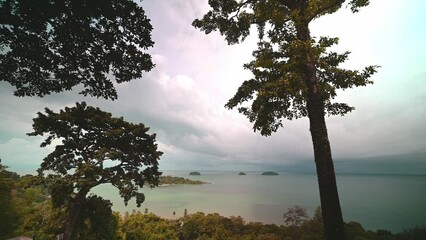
x: 182, y: 99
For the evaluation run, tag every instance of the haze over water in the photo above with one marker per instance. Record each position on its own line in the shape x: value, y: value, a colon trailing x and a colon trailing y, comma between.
x: 391, y: 202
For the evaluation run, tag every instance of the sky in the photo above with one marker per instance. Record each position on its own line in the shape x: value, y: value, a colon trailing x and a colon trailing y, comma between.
x: 182, y: 99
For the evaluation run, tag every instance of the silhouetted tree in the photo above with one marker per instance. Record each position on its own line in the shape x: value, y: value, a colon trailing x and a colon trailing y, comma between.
x: 294, y: 76
x: 295, y: 216
x: 51, y: 46
x: 94, y: 148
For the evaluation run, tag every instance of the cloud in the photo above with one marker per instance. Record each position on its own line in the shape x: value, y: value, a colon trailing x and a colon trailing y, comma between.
x: 183, y: 98
x: 185, y: 118
x: 23, y: 154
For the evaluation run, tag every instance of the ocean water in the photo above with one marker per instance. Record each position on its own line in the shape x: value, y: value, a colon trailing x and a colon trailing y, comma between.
x: 391, y: 202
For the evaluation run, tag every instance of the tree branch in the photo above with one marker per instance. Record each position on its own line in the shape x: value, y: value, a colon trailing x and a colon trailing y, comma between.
x: 291, y: 4
x: 325, y: 8
x: 241, y: 6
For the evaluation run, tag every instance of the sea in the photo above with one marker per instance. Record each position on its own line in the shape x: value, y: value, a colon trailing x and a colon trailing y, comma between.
x: 390, y: 202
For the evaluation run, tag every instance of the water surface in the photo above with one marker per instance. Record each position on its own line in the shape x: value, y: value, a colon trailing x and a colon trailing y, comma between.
x: 392, y: 202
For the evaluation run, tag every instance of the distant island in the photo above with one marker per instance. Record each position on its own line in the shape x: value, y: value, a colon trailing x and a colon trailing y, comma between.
x: 170, y: 180
x: 194, y: 173
x: 242, y: 173
x: 270, y: 173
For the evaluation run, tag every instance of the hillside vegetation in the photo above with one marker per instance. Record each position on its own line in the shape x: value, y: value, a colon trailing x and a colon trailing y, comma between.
x: 27, y: 210
x: 171, y: 180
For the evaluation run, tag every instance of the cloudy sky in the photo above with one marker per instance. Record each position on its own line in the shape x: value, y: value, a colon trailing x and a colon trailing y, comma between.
x: 182, y: 99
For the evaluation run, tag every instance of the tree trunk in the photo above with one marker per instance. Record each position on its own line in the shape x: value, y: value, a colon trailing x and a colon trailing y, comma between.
x: 72, y: 217
x: 330, y: 205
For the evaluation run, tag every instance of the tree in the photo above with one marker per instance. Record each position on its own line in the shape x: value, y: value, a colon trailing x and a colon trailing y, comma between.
x: 295, y: 216
x: 97, y: 221
x: 294, y: 75
x: 50, y: 46
x: 149, y: 226
x: 8, y: 218
x: 37, y: 216
x: 94, y: 148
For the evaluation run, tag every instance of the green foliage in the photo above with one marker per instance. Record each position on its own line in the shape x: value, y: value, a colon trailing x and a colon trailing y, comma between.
x: 25, y: 208
x: 96, y: 148
x: 148, y: 226
x: 233, y: 18
x: 201, y: 226
x: 212, y: 226
x: 170, y: 180
x: 40, y: 220
x: 8, y: 219
x: 34, y: 215
x: 52, y: 46
x: 97, y: 221
x: 279, y: 89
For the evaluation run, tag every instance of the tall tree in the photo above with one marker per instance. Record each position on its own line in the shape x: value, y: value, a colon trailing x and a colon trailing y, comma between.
x: 294, y: 75
x: 50, y: 46
x: 94, y: 148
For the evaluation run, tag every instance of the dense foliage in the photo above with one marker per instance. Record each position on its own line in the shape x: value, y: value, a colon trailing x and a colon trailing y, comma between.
x: 170, y: 180
x: 148, y: 226
x: 98, y: 148
x: 94, y: 148
x: 51, y: 46
x: 7, y: 213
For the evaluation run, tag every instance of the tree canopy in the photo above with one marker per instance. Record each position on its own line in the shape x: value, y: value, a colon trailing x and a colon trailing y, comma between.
x: 50, y: 46
x: 277, y: 90
x: 95, y: 148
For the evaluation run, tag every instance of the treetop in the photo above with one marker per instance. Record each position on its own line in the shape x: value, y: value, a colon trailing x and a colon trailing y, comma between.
x: 53, y: 46
x: 279, y: 87
x: 97, y: 148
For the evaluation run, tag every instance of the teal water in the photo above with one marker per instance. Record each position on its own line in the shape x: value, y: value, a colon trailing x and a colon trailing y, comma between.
x: 392, y: 202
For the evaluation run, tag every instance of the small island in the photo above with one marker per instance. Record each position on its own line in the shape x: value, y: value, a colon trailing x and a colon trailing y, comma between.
x: 194, y: 173
x: 242, y: 174
x: 170, y: 180
x: 270, y: 173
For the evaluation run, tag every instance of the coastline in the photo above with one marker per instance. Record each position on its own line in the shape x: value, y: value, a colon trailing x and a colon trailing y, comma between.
x: 264, y: 199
